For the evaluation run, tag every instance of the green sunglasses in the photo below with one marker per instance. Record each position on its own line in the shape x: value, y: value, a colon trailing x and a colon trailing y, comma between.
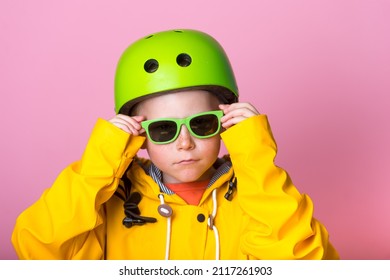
x: 166, y: 130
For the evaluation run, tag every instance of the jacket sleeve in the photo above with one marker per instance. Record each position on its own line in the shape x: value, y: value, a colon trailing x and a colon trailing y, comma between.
x: 281, y: 223
x: 67, y: 222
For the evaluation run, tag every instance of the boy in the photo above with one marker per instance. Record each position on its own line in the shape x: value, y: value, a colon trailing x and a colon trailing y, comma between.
x: 176, y: 97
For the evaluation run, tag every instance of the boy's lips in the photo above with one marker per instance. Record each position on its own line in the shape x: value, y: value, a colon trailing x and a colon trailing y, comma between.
x: 186, y: 161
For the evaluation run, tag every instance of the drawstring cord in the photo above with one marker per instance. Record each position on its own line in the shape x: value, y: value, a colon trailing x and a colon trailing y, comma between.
x: 166, y: 211
x: 211, y: 225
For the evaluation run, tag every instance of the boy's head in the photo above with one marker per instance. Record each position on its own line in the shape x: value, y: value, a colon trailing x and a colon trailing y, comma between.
x: 183, y: 157
x: 170, y: 61
x: 181, y: 76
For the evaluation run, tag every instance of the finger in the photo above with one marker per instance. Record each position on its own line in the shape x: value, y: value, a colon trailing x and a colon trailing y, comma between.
x: 227, y: 108
x: 223, y: 107
x: 134, y: 120
x: 122, y: 126
x: 243, y: 105
x: 239, y: 112
x: 129, y: 124
x: 232, y: 121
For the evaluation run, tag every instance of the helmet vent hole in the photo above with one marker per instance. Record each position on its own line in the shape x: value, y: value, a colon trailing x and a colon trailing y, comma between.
x: 150, y: 36
x: 183, y: 60
x: 151, y: 65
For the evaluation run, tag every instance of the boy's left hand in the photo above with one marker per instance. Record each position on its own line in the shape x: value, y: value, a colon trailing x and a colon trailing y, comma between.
x: 236, y: 112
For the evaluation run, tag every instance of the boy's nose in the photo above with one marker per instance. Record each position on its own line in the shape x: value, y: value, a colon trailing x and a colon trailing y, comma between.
x: 185, y: 140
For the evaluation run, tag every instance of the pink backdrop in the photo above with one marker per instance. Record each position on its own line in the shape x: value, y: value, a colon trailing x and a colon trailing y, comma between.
x: 319, y: 69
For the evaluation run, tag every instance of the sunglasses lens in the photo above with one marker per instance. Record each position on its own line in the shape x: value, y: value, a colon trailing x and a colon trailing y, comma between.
x: 162, y: 131
x: 205, y: 125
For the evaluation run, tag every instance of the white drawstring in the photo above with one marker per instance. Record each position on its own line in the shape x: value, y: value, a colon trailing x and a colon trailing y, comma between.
x: 168, y: 237
x: 210, y: 223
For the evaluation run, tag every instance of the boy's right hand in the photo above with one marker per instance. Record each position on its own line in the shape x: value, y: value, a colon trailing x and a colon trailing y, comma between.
x: 128, y: 124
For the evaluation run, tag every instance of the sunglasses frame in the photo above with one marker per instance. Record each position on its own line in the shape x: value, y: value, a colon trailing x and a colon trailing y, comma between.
x: 186, y: 121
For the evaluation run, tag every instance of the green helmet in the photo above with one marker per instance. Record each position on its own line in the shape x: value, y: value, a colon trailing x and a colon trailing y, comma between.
x: 169, y: 61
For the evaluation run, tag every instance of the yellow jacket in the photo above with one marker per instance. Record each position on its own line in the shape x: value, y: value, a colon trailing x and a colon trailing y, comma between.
x: 79, y: 217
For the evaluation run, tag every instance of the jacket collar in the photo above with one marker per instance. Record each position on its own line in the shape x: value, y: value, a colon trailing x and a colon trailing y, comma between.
x: 156, y: 174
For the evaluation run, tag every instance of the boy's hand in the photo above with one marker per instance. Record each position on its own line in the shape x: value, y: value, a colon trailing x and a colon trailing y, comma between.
x: 128, y: 124
x: 236, y: 112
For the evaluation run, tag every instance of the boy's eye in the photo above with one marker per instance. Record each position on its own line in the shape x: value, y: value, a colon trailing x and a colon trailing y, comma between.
x: 162, y: 130
x: 163, y: 126
x: 200, y: 121
x: 204, y: 125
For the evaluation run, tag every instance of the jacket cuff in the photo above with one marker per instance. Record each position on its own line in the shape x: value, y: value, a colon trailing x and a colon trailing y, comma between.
x: 253, y: 133
x: 109, y: 149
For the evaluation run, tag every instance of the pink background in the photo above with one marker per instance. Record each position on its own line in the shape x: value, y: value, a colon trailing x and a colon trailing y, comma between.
x: 319, y: 69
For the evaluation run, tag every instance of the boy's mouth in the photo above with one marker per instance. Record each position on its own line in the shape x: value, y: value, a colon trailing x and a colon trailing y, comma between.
x: 186, y: 161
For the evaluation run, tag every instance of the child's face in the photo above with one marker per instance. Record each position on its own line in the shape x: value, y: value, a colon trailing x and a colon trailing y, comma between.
x: 187, y: 159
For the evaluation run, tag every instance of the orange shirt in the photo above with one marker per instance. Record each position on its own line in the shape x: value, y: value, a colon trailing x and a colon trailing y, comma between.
x: 190, y: 192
